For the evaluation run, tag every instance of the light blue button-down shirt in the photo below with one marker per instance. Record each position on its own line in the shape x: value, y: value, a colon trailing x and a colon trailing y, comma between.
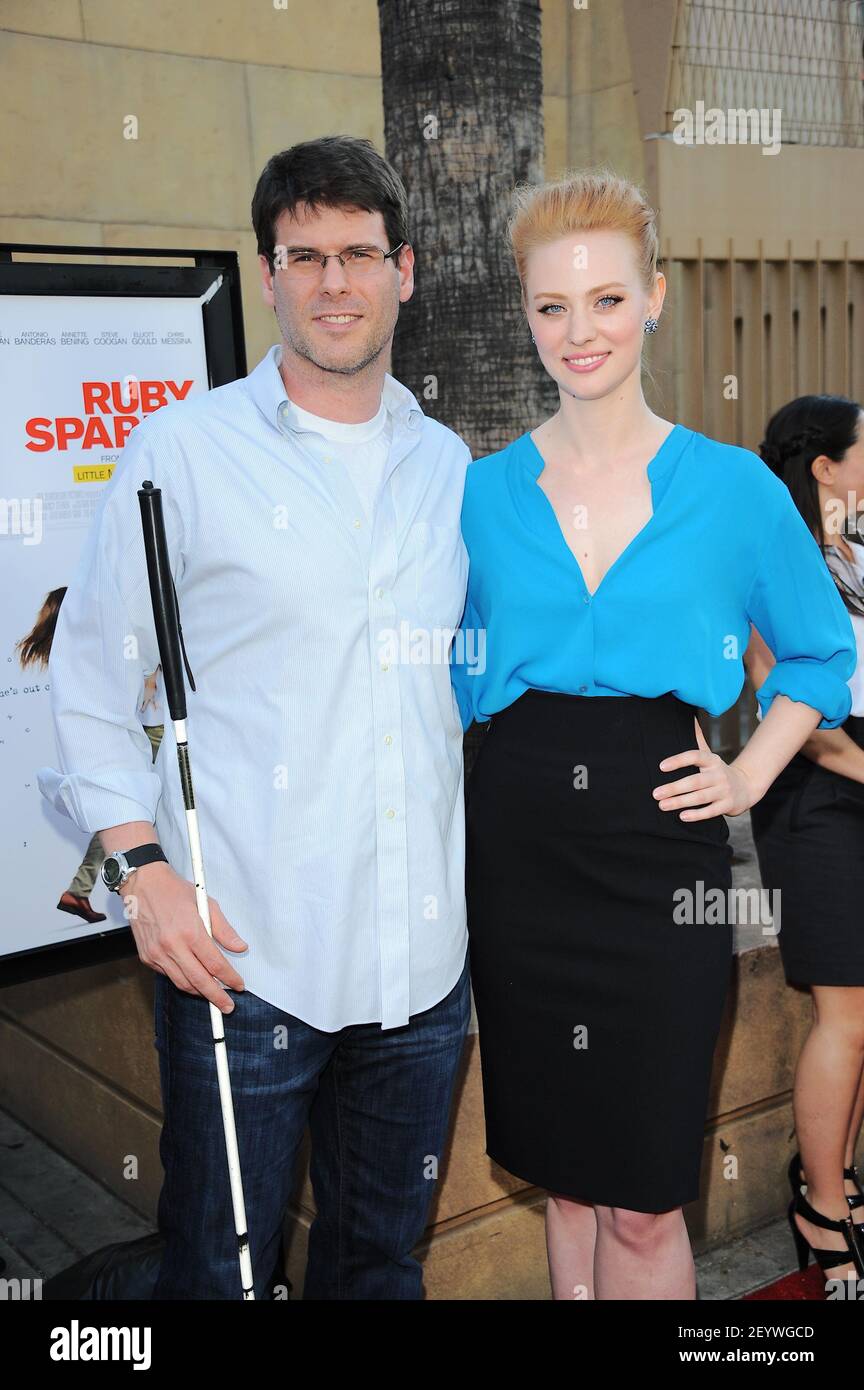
x: 324, y: 735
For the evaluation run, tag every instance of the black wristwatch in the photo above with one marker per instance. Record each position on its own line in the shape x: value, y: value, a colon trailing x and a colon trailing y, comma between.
x: 117, y: 867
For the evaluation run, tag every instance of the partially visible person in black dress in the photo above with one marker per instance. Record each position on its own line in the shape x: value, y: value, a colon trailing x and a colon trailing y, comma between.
x: 809, y: 826
x: 617, y: 561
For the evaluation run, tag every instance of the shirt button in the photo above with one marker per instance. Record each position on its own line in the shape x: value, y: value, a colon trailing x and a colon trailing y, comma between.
x: 357, y: 521
x: 388, y: 739
x: 379, y: 593
x: 390, y: 813
x: 385, y: 666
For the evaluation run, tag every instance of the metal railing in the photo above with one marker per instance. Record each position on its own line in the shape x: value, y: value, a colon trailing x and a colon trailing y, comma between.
x: 803, y: 57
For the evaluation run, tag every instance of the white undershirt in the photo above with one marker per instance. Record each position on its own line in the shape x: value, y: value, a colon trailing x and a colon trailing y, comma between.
x: 852, y: 572
x: 363, y: 449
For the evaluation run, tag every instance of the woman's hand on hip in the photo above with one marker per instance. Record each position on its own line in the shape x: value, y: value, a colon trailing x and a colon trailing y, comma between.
x: 717, y: 789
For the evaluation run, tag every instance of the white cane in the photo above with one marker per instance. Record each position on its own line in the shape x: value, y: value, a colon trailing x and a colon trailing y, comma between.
x: 166, y: 616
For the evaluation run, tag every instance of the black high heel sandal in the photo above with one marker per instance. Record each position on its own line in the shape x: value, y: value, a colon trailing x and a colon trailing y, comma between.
x: 795, y: 1173
x: 826, y: 1259
x: 851, y: 1175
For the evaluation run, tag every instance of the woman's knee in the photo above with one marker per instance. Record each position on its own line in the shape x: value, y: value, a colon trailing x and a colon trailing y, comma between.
x: 638, y: 1228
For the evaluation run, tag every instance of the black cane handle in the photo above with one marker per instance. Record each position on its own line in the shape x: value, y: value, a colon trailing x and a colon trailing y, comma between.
x: 163, y: 595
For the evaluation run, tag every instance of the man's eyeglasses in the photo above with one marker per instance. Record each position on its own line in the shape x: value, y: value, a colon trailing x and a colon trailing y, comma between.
x: 355, y: 260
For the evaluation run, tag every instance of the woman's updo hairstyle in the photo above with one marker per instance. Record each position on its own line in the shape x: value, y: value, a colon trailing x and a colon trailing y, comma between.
x: 797, y: 434
x: 583, y: 200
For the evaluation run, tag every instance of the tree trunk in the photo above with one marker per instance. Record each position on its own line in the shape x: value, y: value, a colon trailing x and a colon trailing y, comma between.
x: 463, y: 123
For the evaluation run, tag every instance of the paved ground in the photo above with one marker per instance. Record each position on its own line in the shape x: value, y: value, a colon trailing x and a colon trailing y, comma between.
x: 52, y: 1213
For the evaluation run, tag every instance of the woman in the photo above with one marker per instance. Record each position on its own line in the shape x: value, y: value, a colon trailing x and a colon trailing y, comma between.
x: 34, y: 650
x: 616, y: 563
x: 809, y: 827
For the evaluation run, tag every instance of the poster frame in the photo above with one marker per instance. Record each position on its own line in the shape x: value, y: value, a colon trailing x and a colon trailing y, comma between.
x: 212, y: 277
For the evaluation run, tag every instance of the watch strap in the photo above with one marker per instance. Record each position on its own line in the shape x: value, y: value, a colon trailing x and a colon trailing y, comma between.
x: 144, y: 854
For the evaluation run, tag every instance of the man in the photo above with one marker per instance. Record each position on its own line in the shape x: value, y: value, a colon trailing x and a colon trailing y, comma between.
x: 312, y: 517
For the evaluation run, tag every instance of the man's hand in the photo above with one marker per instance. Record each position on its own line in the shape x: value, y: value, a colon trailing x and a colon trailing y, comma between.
x: 172, y: 939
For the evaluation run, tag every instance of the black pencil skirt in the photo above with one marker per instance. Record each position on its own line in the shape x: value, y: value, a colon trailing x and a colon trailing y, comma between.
x: 598, y: 1011
x: 809, y: 835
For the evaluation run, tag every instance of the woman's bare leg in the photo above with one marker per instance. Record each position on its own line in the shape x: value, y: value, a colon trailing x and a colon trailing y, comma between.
x: 571, y: 1230
x: 827, y: 1084
x: 640, y: 1255
x: 852, y: 1140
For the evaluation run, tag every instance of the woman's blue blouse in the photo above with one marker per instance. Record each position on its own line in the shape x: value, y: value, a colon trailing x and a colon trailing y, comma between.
x: 725, y: 547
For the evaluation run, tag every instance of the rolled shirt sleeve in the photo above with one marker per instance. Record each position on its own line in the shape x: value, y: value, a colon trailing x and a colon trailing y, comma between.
x: 104, y: 645
x: 796, y: 606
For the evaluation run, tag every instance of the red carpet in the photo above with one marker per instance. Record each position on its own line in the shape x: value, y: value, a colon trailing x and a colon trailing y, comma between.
x: 810, y: 1285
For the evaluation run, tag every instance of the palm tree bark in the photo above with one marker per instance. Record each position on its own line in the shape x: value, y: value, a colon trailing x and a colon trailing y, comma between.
x: 463, y: 123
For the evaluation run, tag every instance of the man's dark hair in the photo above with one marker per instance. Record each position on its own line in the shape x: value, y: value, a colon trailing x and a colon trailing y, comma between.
x: 334, y: 171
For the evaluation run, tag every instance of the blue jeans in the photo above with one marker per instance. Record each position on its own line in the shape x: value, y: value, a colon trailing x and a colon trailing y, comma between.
x: 377, y: 1104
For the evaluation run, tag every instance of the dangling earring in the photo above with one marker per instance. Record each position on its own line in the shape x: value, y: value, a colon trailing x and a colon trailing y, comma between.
x: 533, y: 339
x: 651, y: 325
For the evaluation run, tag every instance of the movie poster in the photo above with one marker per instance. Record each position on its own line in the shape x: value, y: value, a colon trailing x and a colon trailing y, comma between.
x: 77, y: 374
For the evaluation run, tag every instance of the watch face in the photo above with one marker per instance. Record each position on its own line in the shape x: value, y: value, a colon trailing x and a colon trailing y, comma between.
x: 111, y: 872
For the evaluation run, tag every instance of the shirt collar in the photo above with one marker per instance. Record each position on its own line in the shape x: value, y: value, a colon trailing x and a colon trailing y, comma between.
x: 267, y: 389
x: 668, y: 453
